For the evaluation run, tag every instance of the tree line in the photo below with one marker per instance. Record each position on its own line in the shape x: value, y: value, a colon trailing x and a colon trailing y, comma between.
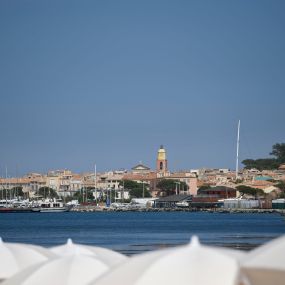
x: 278, y: 151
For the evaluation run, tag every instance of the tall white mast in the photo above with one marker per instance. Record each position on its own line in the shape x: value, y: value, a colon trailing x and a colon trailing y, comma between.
x: 237, y: 150
x: 6, y: 182
x: 95, y: 182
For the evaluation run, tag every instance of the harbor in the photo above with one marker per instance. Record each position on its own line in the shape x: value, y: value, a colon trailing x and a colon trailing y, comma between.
x: 142, y: 142
x: 146, y: 189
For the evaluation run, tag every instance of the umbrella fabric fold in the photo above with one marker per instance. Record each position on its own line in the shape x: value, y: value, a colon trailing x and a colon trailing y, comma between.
x: 191, y: 264
x: 15, y: 257
x: 109, y: 257
x: 70, y: 270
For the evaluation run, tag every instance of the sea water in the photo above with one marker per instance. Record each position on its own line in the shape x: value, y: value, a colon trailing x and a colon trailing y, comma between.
x: 135, y: 232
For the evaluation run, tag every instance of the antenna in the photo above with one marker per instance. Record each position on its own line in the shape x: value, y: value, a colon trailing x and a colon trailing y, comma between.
x: 237, y: 150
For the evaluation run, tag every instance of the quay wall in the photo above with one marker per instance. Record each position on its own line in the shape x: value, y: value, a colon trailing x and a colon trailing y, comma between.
x: 214, y: 210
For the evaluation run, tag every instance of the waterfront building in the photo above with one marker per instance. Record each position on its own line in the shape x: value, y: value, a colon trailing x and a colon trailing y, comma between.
x: 278, y: 203
x: 53, y: 181
x: 11, y: 183
x: 75, y: 183
x: 210, y: 197
x: 110, y: 180
x: 173, y: 201
x: 30, y: 184
x: 64, y: 182
x: 221, y: 192
x: 105, y: 181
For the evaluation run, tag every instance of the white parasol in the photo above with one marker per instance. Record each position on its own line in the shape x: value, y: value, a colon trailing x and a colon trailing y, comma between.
x: 266, y: 264
x: 70, y: 270
x: 109, y: 257
x: 191, y: 264
x: 15, y: 257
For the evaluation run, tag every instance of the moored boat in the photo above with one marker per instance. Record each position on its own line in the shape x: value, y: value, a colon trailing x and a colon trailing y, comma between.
x: 15, y: 210
x: 51, y: 207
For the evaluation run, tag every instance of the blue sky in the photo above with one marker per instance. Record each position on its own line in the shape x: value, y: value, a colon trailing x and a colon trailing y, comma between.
x: 109, y: 81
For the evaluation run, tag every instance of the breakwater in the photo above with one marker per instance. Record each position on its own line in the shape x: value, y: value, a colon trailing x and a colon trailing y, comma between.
x: 208, y: 210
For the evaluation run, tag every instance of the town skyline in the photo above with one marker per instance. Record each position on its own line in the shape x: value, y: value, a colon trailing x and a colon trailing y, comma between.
x: 152, y: 167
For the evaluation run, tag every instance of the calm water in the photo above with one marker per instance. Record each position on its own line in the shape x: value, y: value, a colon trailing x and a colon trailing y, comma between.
x: 132, y: 232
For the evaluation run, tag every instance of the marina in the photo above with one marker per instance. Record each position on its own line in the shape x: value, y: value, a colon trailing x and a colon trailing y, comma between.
x: 34, y: 206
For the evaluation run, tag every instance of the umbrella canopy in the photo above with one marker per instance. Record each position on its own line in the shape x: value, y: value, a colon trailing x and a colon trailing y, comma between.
x: 107, y: 256
x: 238, y: 255
x: 15, y: 257
x: 70, y: 270
x: 191, y: 264
x: 265, y: 265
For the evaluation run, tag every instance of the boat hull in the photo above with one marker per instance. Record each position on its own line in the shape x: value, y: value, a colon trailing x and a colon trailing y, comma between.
x: 50, y: 210
x: 16, y: 210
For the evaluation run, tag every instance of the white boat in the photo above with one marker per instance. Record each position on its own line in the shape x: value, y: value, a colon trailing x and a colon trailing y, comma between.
x: 51, y: 207
x: 182, y: 204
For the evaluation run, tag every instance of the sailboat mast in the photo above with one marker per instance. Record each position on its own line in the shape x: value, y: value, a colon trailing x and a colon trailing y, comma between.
x: 95, y: 182
x: 237, y: 150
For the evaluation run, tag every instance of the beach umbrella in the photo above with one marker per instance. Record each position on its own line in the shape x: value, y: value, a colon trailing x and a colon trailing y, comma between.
x: 193, y: 264
x: 69, y: 270
x: 265, y: 265
x: 14, y: 257
x: 109, y: 257
x: 234, y: 253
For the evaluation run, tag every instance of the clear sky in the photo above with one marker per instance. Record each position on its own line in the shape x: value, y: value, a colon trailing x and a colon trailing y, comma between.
x: 109, y: 81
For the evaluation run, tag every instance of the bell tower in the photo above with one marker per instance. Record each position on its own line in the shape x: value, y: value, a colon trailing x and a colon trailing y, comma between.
x: 161, y: 161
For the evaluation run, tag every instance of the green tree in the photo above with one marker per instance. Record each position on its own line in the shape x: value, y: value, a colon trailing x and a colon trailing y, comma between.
x: 129, y: 184
x: 281, y: 185
x: 138, y: 193
x: 47, y: 192
x: 203, y: 187
x: 18, y: 191
x: 4, y: 193
x: 84, y: 195
x: 278, y: 150
x: 249, y: 190
x: 261, y: 163
x: 169, y: 186
x: 14, y: 192
x: 137, y: 190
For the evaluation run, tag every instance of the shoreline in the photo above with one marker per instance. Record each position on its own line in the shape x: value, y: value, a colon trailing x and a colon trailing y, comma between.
x: 207, y: 210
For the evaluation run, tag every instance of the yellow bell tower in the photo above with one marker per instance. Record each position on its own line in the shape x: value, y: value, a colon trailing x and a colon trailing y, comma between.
x: 161, y: 162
